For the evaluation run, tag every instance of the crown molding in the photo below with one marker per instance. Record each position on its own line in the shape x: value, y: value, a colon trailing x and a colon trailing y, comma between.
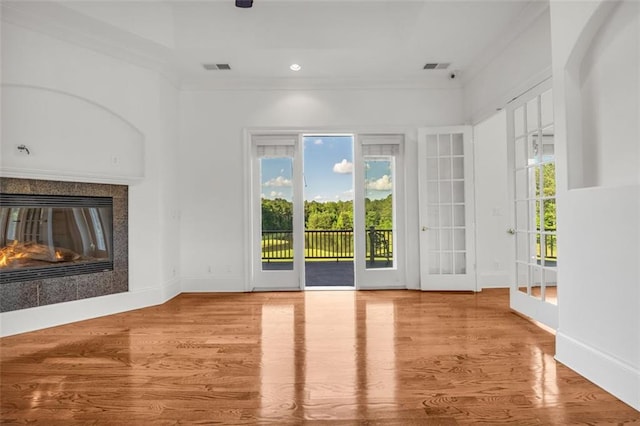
x: 433, y: 82
x: 65, y: 24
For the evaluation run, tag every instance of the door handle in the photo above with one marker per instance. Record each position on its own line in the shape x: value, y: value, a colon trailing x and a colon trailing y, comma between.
x: 424, y: 228
x: 511, y: 231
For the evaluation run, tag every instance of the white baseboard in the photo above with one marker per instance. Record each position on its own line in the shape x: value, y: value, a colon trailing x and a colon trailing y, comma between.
x: 613, y: 375
x: 213, y: 285
x: 37, y: 318
x: 171, y: 289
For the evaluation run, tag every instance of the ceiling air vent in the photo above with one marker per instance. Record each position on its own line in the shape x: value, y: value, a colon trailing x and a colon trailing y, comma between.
x: 436, y: 66
x: 214, y: 67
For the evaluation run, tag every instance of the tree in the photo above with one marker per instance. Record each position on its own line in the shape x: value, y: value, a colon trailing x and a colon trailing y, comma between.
x: 321, y: 220
x: 548, y: 190
x: 277, y: 215
x: 345, y: 220
x: 379, y: 213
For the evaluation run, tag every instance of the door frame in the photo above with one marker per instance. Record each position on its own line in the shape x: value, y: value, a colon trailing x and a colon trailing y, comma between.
x: 303, y: 278
x: 248, y: 134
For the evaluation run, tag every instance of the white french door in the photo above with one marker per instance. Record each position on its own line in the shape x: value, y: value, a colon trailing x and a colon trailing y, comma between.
x: 446, y: 190
x: 277, y: 241
x: 531, y: 151
x: 379, y: 184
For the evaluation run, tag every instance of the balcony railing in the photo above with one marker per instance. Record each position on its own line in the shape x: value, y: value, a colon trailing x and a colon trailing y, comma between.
x: 327, y: 244
x: 338, y: 245
x: 550, y: 249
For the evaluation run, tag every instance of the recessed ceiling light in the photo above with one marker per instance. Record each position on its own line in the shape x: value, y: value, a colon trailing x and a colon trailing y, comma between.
x: 295, y: 67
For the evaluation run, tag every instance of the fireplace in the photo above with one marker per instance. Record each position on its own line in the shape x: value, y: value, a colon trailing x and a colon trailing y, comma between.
x: 61, y: 241
x: 46, y: 236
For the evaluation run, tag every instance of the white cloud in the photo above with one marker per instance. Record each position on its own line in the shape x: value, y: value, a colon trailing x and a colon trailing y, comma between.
x: 343, y: 167
x: 345, y: 195
x: 382, y: 184
x: 275, y: 194
x: 279, y: 181
x: 318, y: 142
x: 318, y: 197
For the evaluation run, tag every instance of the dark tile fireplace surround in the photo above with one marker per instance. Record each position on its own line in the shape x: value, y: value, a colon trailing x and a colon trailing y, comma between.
x: 45, y: 291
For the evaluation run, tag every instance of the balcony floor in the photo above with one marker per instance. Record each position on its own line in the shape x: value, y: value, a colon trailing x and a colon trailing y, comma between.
x: 319, y: 274
x: 323, y: 274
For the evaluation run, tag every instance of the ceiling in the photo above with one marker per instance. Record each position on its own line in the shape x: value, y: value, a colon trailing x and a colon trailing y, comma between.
x: 357, y: 43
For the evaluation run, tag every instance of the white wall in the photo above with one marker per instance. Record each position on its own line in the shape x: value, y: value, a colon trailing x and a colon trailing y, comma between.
x: 524, y: 62
x: 608, y: 104
x: 492, y: 202
x: 146, y: 101
x: 212, y: 162
x: 599, y: 226
x: 517, y: 65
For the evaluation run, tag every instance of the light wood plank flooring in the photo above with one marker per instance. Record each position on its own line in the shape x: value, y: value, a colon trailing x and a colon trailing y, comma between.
x: 335, y: 357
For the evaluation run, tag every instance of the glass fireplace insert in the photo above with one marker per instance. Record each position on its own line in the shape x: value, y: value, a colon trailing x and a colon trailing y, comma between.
x: 47, y: 236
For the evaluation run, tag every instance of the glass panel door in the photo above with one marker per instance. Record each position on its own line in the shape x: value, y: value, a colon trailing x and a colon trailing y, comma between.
x: 446, y: 209
x: 532, y: 169
x: 276, y: 212
x: 379, y: 193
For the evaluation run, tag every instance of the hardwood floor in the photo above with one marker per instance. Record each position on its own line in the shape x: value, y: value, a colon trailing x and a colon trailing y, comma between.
x: 383, y: 357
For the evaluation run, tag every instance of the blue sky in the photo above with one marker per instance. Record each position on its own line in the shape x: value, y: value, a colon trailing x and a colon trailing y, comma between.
x: 328, y: 168
x: 328, y: 172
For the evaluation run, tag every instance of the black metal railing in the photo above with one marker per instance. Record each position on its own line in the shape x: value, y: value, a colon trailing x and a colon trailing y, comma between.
x: 277, y: 245
x: 327, y: 244
x: 550, y: 249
